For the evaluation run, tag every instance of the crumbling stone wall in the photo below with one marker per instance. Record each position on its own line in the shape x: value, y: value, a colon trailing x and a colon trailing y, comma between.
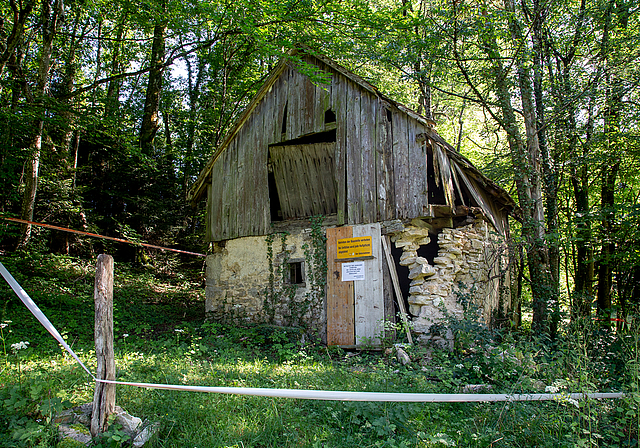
x: 247, y: 282
x: 471, y: 263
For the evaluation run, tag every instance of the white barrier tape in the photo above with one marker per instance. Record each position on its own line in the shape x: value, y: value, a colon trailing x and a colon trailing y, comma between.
x: 367, y: 396
x: 21, y: 293
x: 299, y: 393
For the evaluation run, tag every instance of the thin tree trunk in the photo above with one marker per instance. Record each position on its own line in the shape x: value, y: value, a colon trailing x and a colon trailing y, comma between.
x: 21, y: 12
x: 150, y: 118
x: 50, y: 16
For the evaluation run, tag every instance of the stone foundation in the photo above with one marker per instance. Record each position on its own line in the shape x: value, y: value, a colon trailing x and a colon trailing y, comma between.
x: 248, y: 280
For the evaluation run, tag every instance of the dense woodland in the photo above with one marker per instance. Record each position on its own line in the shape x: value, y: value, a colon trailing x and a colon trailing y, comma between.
x: 109, y: 110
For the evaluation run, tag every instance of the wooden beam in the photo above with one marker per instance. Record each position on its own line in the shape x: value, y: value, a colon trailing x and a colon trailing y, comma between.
x: 396, y: 285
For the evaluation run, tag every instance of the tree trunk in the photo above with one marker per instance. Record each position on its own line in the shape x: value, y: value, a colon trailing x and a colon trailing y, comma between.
x: 21, y: 12
x: 611, y: 164
x: 150, y: 118
x: 50, y: 15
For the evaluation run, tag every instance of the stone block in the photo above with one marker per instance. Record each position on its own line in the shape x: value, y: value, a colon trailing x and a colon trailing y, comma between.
x: 408, y: 261
x: 421, y: 271
x: 443, y: 261
x: 415, y: 309
x: 416, y: 232
x: 401, y: 243
x: 419, y: 300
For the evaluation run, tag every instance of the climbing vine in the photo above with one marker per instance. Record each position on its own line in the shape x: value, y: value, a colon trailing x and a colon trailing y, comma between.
x: 316, y: 256
x: 280, y: 295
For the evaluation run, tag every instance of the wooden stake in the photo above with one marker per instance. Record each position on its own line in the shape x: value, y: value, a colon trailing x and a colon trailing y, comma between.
x: 104, y: 397
x: 396, y: 285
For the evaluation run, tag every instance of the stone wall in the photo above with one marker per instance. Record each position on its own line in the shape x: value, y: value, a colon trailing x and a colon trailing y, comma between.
x: 471, y: 264
x: 248, y: 281
x: 247, y: 278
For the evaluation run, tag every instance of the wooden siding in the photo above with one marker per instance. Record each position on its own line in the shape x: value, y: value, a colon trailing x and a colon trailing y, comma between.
x: 340, y: 307
x: 378, y: 161
x: 368, y: 293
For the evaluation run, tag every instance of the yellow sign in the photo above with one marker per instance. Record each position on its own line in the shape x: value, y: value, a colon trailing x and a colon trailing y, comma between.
x: 359, y: 247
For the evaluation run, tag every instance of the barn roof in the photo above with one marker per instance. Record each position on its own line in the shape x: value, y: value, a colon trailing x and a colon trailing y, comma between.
x: 198, y: 189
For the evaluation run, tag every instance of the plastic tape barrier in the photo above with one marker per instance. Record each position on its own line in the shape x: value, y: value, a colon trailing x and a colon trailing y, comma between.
x: 299, y: 393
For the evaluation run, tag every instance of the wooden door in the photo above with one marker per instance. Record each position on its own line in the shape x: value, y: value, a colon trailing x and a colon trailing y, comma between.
x: 340, y: 311
x: 355, y: 309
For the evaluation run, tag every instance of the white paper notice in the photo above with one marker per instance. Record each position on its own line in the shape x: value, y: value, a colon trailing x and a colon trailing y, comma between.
x: 353, y: 271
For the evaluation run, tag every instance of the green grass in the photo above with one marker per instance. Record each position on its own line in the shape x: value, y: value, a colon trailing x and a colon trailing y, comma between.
x: 150, y: 307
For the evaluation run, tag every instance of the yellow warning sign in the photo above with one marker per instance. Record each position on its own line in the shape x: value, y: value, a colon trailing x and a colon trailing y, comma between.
x: 359, y: 247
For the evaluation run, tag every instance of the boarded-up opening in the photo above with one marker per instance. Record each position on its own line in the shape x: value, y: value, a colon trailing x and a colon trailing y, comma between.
x: 304, y: 177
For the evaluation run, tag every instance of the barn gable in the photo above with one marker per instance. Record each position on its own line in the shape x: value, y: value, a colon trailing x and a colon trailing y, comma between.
x: 342, y: 148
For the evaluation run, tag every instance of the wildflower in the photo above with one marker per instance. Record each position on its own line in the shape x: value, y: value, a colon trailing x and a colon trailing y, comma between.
x: 551, y: 389
x: 476, y: 368
x: 573, y: 402
x: 459, y: 366
x: 126, y: 335
x: 19, y: 346
x: 3, y: 325
x: 179, y: 330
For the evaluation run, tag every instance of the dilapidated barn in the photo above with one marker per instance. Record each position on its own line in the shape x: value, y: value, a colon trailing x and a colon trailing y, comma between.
x: 379, y: 181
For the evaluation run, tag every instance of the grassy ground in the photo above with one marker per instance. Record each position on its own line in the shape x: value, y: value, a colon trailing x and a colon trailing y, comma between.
x: 161, y: 337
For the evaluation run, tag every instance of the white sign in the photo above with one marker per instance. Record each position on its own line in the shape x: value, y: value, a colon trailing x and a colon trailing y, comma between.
x: 353, y: 271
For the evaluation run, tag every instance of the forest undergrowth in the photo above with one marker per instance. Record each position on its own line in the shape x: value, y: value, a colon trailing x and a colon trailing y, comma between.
x: 161, y: 336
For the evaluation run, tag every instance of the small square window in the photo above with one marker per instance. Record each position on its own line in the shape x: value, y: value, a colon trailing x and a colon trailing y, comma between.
x: 296, y: 272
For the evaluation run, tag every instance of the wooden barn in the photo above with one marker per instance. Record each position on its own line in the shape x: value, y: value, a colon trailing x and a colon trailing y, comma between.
x: 383, y: 182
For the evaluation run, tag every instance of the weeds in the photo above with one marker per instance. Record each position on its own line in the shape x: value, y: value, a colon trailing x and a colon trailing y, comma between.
x: 37, y: 382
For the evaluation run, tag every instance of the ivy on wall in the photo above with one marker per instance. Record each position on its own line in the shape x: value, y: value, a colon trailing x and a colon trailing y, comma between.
x: 281, y: 301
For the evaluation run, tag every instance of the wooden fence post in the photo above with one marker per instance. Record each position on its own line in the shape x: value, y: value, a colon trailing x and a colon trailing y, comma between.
x: 104, y: 397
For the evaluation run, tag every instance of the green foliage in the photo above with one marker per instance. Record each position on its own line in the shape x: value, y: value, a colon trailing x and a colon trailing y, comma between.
x: 280, y: 294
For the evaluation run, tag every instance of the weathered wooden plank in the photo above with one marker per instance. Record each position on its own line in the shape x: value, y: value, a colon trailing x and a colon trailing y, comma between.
x: 384, y: 163
x: 322, y: 104
x: 444, y: 169
x: 326, y: 152
x: 229, y: 190
x: 458, y: 186
x: 280, y: 102
x: 386, y: 244
x: 368, y: 172
x: 354, y: 154
x: 257, y: 182
x: 418, y: 167
x: 293, y: 110
x: 340, y: 308
x: 310, y: 179
x: 269, y: 124
x: 479, y: 199
x: 239, y: 173
x: 368, y: 293
x: 216, y: 195
x: 245, y: 172
x: 338, y: 100
x: 308, y: 105
x: 401, y: 165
